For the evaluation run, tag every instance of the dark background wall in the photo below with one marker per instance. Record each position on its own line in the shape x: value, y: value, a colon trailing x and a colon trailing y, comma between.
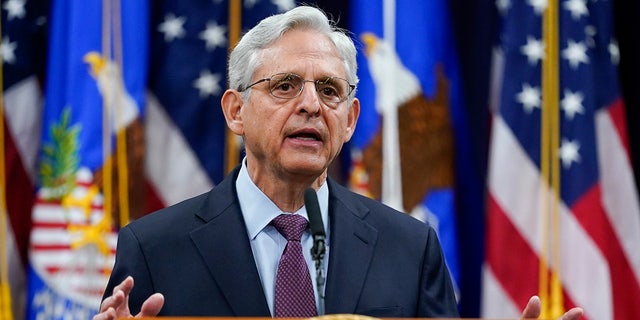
x: 475, y: 26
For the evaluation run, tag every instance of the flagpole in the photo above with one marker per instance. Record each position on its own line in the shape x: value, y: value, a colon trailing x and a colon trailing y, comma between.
x: 553, y: 74
x: 235, y: 26
x: 121, y: 133
x: 550, y: 289
x: 107, y: 176
x: 545, y: 132
x: 391, y: 166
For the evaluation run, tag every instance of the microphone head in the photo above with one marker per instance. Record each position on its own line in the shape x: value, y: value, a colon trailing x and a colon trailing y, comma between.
x: 313, y: 211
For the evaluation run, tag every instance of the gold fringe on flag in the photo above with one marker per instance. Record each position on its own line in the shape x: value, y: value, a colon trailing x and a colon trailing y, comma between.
x: 5, y: 291
x: 550, y: 289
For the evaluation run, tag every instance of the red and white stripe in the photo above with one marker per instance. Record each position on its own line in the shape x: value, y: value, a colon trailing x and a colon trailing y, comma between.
x: 600, y: 268
x: 173, y: 170
x: 81, y: 272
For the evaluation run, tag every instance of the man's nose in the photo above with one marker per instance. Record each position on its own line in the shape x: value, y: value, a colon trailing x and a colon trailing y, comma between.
x: 310, y: 100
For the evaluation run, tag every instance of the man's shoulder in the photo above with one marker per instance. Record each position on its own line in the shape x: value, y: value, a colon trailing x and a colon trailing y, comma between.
x: 192, y: 209
x: 172, y: 215
x: 372, y: 210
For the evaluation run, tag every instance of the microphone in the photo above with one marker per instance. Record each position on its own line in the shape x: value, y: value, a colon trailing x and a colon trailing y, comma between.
x: 319, y: 235
x: 315, y: 223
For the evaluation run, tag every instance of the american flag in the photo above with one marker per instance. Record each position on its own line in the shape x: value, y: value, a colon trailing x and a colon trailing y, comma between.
x: 23, y: 60
x: 185, y: 127
x: 598, y: 212
x: 94, y: 90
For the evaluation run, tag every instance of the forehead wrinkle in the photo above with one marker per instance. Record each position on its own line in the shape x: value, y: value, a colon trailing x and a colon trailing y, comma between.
x: 307, y: 56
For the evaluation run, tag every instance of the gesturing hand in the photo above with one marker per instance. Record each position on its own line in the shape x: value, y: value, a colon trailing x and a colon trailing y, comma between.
x: 532, y: 311
x: 117, y: 305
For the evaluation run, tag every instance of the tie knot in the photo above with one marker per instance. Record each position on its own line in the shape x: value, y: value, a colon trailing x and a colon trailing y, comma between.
x: 290, y: 226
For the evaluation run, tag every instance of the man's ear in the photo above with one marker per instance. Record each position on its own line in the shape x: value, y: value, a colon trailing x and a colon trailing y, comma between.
x: 352, y: 118
x: 232, y: 103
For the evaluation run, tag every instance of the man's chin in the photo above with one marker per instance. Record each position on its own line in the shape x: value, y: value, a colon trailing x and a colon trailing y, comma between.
x: 306, y: 168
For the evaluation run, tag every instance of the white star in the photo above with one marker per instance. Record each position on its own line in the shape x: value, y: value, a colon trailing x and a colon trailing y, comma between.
x: 614, y: 51
x: 529, y: 97
x: 59, y: 309
x: 572, y: 103
x: 213, y: 35
x: 8, y: 49
x: 575, y: 52
x: 172, y: 27
x: 44, y: 301
x: 208, y: 84
x: 284, y: 5
x: 577, y: 8
x: 534, y: 50
x: 538, y: 5
x: 15, y: 9
x: 589, y: 33
x: 503, y: 6
x: 569, y: 152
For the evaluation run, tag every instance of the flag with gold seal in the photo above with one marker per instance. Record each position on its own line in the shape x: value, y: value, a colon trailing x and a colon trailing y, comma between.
x: 411, y: 141
x: 90, y: 160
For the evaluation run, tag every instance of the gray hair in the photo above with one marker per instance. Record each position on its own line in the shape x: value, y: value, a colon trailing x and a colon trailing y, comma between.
x: 245, y: 57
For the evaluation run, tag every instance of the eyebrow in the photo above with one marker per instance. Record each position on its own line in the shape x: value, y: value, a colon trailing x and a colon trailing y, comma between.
x: 321, y: 77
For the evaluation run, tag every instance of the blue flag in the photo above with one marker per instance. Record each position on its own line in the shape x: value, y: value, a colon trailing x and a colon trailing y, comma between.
x: 403, y: 150
x: 94, y: 97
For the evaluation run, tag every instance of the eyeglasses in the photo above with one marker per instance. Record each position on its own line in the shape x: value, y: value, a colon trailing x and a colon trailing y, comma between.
x: 331, y: 90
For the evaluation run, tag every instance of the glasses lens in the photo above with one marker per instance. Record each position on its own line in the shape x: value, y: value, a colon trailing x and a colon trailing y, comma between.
x: 285, y: 85
x: 333, y: 90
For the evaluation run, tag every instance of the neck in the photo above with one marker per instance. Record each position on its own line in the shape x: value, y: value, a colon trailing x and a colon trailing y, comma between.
x: 287, y: 192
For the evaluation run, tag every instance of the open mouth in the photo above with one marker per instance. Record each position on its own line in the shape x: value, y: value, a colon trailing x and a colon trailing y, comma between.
x: 309, y: 135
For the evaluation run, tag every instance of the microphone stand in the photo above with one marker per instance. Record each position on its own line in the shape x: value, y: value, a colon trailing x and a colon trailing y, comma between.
x: 319, y: 236
x: 317, y: 253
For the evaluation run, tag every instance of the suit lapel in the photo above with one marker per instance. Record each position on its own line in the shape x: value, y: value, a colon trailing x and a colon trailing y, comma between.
x: 223, y: 243
x: 352, y: 244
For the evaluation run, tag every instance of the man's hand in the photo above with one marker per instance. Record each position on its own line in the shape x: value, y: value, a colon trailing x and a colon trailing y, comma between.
x: 532, y: 311
x: 117, y: 305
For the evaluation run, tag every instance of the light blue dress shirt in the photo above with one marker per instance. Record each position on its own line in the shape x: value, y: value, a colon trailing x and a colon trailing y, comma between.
x: 266, y: 242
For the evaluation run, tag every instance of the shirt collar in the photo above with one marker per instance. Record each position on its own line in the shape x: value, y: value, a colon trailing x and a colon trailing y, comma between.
x: 258, y: 210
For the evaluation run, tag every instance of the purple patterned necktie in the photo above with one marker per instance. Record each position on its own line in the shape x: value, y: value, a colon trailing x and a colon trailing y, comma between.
x: 294, y: 290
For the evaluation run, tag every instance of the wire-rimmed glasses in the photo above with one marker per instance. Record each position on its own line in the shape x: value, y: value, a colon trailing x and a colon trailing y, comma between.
x: 331, y: 90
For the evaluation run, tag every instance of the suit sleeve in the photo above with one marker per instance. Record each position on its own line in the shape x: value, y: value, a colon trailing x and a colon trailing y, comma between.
x: 437, y: 297
x: 130, y: 261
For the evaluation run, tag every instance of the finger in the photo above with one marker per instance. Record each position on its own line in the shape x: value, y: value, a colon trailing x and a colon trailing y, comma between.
x: 126, y: 285
x: 120, y: 296
x: 152, y: 306
x: 113, y: 301
x: 532, y: 310
x: 109, y: 314
x: 573, y: 314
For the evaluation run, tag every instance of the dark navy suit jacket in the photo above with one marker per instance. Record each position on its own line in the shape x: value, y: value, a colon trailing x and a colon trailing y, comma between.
x: 382, y: 263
